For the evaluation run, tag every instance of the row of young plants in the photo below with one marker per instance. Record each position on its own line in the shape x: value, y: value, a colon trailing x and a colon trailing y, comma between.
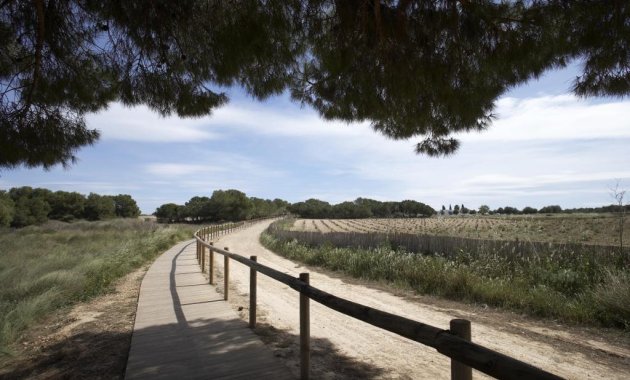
x: 572, y: 289
x: 45, y: 268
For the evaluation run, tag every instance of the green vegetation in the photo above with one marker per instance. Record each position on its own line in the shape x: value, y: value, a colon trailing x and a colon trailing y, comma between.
x: 224, y: 205
x: 360, y: 208
x: 349, y: 60
x: 44, y: 268
x: 25, y: 206
x: 577, y: 289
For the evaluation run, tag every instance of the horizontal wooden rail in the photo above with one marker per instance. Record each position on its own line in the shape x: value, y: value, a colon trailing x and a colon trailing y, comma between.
x: 483, y: 359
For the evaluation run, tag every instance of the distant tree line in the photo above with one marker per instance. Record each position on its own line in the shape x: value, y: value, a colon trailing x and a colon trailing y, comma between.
x: 457, y: 210
x: 233, y: 205
x: 508, y: 210
x: 24, y: 206
x: 223, y: 205
x: 361, y: 208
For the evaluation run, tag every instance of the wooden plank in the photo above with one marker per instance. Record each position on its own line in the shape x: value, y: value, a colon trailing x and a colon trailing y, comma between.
x: 226, y: 275
x: 252, y: 295
x: 305, y: 332
x: 184, y: 329
x: 460, y: 328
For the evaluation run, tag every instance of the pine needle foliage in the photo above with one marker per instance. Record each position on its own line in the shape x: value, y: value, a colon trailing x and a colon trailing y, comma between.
x: 410, y: 68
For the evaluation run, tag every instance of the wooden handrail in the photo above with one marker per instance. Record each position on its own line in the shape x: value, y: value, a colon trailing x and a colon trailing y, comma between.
x: 483, y: 359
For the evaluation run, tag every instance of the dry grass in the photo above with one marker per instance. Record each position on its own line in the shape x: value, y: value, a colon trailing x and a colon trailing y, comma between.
x: 55, y: 265
x: 577, y: 287
x: 601, y: 229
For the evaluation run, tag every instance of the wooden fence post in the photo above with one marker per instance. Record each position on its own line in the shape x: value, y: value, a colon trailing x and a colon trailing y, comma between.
x: 197, y: 241
x: 210, y: 264
x: 226, y: 274
x: 460, y: 328
x: 203, y: 258
x: 305, y: 332
x: 252, y: 295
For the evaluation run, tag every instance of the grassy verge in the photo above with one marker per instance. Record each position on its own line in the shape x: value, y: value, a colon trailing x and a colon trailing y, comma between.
x: 45, y: 268
x: 577, y: 290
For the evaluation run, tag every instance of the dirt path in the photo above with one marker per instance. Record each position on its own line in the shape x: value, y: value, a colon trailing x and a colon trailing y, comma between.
x: 343, y: 347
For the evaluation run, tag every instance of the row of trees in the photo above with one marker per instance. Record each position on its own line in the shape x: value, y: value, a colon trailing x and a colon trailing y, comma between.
x: 456, y: 210
x: 233, y: 205
x: 223, y: 205
x: 24, y: 206
x: 360, y: 208
x: 507, y: 210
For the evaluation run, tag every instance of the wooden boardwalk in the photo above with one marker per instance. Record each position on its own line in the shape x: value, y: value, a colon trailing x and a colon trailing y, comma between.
x: 184, y: 329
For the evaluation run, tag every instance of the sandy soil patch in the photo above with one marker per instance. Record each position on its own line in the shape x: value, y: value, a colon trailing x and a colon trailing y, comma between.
x: 345, y: 348
x: 89, y: 341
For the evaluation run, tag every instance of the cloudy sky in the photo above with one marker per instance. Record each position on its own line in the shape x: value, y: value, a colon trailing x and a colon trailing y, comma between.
x: 546, y: 147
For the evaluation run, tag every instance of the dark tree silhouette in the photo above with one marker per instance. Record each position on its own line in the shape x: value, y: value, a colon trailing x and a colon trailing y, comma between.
x: 409, y: 67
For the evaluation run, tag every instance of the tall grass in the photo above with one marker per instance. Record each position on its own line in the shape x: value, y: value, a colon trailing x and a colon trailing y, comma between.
x: 45, y: 268
x: 578, y: 289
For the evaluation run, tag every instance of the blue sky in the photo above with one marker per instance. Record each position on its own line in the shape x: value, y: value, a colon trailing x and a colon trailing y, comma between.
x: 546, y: 147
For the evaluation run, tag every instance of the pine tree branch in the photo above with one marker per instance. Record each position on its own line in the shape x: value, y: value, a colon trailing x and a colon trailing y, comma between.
x: 5, y: 3
x: 39, y: 46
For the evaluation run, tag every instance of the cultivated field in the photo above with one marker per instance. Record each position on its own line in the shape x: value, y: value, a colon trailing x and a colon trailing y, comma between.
x: 600, y: 229
x: 501, y: 261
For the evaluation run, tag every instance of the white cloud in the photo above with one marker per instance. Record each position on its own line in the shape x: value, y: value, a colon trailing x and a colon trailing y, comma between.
x: 226, y: 171
x: 509, y: 181
x: 141, y: 124
x: 542, y: 150
x: 298, y: 122
x: 562, y: 117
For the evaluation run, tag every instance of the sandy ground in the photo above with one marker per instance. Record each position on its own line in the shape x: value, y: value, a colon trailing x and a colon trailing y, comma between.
x: 91, y: 340
x: 344, y: 348
x: 88, y: 341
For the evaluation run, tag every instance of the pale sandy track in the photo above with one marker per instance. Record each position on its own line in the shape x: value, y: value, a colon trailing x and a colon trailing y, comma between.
x: 569, y: 352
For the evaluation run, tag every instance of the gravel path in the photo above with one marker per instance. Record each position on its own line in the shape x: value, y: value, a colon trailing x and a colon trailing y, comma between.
x: 343, y: 347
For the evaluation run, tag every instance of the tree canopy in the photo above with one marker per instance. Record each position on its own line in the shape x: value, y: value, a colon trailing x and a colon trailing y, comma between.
x: 360, y: 208
x: 224, y: 205
x: 411, y: 68
x: 24, y: 206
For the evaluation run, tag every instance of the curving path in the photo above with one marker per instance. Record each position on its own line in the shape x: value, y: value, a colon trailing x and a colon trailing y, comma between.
x: 184, y: 329
x: 569, y: 352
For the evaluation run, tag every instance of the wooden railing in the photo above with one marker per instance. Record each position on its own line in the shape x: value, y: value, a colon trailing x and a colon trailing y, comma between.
x: 454, y: 343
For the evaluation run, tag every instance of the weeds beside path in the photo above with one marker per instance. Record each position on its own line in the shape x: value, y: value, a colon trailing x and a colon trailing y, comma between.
x: 569, y: 351
x: 579, y: 288
x: 45, y: 269
x: 90, y: 340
